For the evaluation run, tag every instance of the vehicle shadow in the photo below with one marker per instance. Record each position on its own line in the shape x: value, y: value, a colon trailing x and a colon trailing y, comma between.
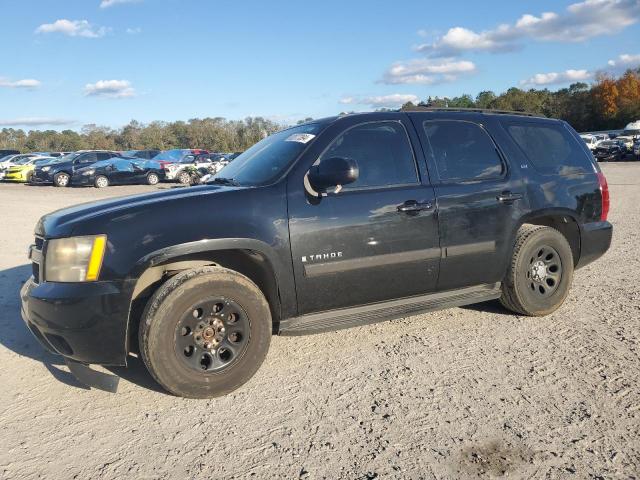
x: 16, y: 337
x: 491, y: 306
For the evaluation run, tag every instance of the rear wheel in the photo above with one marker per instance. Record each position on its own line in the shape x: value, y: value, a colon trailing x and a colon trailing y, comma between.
x: 61, y: 179
x: 153, y: 179
x: 205, y: 332
x: 101, y: 181
x: 541, y: 272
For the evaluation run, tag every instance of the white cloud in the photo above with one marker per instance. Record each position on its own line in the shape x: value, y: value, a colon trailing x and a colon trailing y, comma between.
x: 35, y: 122
x: 110, y: 89
x: 111, y: 3
x: 624, y: 61
x: 580, y: 22
x: 73, y: 28
x: 134, y: 31
x: 555, y: 78
x: 393, y: 100
x: 422, y: 71
x: 616, y: 66
x: 28, y: 83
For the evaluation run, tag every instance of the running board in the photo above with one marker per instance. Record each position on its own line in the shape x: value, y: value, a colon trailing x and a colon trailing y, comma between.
x: 379, y: 312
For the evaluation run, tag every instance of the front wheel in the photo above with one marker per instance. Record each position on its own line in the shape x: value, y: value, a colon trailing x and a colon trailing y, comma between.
x: 61, y: 179
x: 541, y: 272
x: 205, y: 332
x: 184, y: 178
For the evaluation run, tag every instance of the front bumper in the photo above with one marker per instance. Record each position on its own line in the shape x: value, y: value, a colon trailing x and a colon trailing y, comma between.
x: 41, y: 177
x: 595, y: 240
x: 15, y: 177
x: 84, y: 322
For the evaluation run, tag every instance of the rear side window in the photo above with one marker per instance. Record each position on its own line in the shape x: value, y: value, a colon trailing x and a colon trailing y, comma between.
x: 550, y: 147
x: 462, y: 151
x: 382, y: 151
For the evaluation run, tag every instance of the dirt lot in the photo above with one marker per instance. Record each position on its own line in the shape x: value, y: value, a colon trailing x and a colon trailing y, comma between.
x: 456, y: 394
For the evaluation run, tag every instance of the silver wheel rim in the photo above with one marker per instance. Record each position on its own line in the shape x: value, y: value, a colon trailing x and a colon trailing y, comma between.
x: 101, y: 182
x: 153, y: 179
x: 63, y: 180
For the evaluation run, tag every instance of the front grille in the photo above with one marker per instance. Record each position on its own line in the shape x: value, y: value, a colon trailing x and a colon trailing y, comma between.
x: 36, y: 259
x: 35, y: 268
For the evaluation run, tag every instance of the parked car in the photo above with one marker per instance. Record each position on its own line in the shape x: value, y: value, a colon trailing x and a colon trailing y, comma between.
x: 22, y: 171
x: 610, y: 150
x: 143, y: 154
x: 627, y: 142
x: 119, y: 171
x: 338, y: 222
x: 167, y: 157
x: 10, y: 160
x: 181, y: 172
x: 60, y: 172
x: 591, y: 141
x: 4, y: 153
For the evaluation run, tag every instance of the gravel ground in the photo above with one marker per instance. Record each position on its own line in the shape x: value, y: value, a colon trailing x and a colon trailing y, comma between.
x: 462, y: 393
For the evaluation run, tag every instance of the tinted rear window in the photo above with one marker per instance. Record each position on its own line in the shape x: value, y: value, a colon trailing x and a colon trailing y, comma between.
x: 550, y: 147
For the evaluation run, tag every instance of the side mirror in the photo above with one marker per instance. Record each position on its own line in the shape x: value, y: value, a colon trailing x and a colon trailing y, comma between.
x: 333, y: 172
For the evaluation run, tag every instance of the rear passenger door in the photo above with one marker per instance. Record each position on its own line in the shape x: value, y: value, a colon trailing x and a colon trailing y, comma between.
x: 480, y: 197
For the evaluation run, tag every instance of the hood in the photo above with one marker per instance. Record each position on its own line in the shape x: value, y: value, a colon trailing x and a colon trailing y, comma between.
x: 62, y: 222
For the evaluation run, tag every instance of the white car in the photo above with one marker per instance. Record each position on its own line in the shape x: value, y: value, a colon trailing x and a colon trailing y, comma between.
x: 178, y: 171
x: 591, y: 141
x: 10, y: 160
x: 628, y: 142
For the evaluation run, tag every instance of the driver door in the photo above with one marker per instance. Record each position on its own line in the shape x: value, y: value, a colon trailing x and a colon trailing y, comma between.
x: 360, y: 244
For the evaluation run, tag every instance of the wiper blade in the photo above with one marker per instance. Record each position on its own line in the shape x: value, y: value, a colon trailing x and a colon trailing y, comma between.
x: 225, y: 181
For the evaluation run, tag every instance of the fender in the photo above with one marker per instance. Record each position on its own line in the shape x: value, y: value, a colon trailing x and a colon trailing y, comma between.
x: 284, y: 281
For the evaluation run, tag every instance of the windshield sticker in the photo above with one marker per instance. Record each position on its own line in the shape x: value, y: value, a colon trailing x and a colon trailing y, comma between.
x: 301, y: 137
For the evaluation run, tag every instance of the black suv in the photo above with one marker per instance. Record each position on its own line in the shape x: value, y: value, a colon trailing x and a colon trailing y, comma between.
x: 61, y: 171
x: 334, y: 223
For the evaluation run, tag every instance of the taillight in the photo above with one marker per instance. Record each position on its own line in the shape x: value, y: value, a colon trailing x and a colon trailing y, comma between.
x: 604, y: 191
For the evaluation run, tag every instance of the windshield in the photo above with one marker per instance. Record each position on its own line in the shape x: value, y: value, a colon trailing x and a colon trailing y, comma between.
x: 66, y: 158
x: 268, y: 159
x: 23, y: 161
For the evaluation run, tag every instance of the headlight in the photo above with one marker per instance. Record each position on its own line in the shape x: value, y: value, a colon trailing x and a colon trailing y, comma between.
x: 91, y: 171
x: 46, y: 169
x: 74, y: 259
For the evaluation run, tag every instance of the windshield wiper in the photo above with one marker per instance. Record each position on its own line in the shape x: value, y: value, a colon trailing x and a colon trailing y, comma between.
x: 225, y: 181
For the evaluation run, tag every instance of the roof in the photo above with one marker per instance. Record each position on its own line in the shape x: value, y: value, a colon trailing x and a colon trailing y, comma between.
x: 471, y: 110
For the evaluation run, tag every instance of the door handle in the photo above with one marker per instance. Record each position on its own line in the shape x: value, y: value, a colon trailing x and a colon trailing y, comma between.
x: 509, y: 197
x: 412, y: 206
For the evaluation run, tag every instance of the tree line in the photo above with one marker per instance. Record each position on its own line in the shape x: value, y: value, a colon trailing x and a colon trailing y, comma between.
x: 609, y: 103
x: 214, y: 134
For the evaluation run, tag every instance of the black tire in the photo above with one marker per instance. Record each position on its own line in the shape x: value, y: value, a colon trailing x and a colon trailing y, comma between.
x: 153, y: 179
x: 177, y: 301
x: 101, y: 181
x: 61, y: 179
x: 540, y: 273
x: 184, y: 178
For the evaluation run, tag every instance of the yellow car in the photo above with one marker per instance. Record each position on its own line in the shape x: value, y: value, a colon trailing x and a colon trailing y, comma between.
x: 22, y: 170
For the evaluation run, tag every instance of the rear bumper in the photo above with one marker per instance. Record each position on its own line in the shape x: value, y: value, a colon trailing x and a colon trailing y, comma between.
x: 85, y: 322
x: 595, y: 240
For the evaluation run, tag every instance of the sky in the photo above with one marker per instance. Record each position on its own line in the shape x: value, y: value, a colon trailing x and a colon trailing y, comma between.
x: 67, y: 63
